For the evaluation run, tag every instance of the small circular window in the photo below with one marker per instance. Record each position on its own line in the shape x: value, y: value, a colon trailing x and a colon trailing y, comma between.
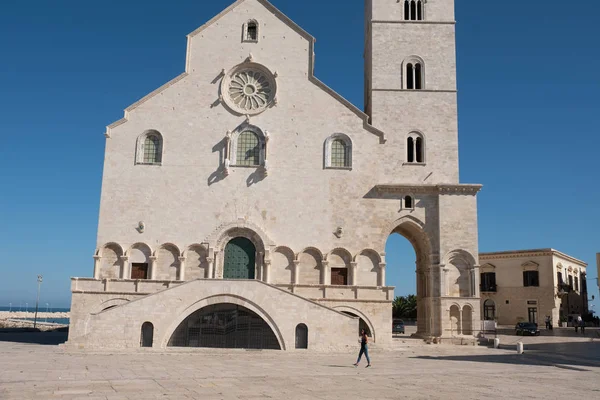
x: 249, y: 89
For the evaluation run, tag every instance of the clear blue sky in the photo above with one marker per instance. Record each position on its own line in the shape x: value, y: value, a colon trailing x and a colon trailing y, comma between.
x: 529, y: 105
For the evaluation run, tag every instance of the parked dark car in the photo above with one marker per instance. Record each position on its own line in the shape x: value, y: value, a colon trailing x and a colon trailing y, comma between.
x: 398, y: 326
x: 527, y: 328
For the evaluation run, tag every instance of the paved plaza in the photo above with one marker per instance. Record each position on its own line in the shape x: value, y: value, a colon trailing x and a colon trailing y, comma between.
x: 552, y: 367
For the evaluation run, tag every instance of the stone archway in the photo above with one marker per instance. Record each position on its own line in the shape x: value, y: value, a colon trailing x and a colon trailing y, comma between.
x: 225, y: 325
x: 489, y: 310
x: 246, y: 238
x: 363, y: 323
x: 414, y: 231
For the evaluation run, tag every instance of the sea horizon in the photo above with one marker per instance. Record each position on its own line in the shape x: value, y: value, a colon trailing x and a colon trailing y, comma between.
x: 30, y: 308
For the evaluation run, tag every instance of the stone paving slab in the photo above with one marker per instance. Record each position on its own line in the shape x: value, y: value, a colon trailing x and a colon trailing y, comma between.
x: 550, y: 369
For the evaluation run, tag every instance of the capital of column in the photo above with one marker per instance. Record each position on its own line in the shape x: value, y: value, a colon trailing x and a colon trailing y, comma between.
x: 267, y: 262
x: 210, y: 260
x: 296, y: 262
x: 124, y: 258
x: 182, y: 259
x: 97, y: 257
x: 325, y: 263
x: 382, y: 265
x: 152, y: 258
x: 353, y: 264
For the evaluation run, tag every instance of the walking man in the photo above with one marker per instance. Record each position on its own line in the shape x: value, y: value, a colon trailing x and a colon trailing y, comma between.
x: 582, y: 325
x: 364, y: 349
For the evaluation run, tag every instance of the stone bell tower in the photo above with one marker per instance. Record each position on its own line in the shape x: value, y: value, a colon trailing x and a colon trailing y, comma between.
x: 410, y: 80
x: 410, y: 93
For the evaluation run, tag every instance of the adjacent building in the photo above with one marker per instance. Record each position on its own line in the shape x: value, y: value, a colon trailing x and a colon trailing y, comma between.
x: 529, y: 285
x: 246, y: 204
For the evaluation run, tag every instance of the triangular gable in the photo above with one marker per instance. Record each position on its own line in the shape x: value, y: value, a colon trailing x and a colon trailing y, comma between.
x: 285, y: 19
x: 530, y: 265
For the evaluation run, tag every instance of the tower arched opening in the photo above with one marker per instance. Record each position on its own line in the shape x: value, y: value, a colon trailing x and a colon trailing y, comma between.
x: 407, y: 257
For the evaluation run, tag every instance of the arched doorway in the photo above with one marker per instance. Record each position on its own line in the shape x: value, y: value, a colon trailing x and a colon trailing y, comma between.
x: 455, y: 324
x: 301, y: 336
x: 489, y: 310
x: 362, y: 324
x: 240, y: 259
x: 224, y: 325
x: 408, y: 249
x: 147, y: 335
x: 467, y: 320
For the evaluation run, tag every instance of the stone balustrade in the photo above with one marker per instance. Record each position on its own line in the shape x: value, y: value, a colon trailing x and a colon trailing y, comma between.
x: 329, y: 292
x: 313, y: 292
x: 127, y: 286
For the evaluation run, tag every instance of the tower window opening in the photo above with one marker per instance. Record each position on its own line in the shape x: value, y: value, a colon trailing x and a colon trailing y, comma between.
x: 419, y: 147
x: 415, y: 148
x: 414, y: 73
x: 410, y: 82
x: 413, y: 10
x: 410, y: 147
x: 418, y: 80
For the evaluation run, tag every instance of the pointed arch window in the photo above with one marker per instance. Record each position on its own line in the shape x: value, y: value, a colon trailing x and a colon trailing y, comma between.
x: 250, y: 31
x: 338, y: 152
x: 415, y: 148
x: 414, y: 10
x: 149, y: 148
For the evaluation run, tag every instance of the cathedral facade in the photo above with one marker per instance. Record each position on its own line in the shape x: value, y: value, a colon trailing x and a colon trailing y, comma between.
x: 246, y: 204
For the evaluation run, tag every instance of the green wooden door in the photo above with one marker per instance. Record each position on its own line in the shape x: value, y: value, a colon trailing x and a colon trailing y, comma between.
x: 240, y: 256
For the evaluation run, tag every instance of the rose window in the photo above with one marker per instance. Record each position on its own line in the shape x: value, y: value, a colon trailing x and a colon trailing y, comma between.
x: 249, y: 90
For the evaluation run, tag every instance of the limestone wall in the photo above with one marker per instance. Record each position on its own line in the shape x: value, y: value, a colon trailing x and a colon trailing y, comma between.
x: 119, y: 327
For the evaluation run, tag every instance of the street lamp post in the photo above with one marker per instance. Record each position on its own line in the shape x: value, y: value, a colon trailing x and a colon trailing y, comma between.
x: 39, y: 280
x: 47, y: 312
x: 9, y: 307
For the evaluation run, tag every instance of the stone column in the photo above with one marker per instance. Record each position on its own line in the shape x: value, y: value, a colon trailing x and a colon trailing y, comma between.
x: 476, y: 280
x: 97, y: 267
x: 259, y: 267
x: 445, y: 282
x: 182, y: 268
x: 296, y: 280
x: 381, y: 274
x: 211, y: 267
x: 427, y: 286
x: 471, y: 281
x: 152, y: 260
x: 267, y: 271
x: 416, y: 157
x: 354, y: 273
x: 125, y: 272
x: 326, y: 275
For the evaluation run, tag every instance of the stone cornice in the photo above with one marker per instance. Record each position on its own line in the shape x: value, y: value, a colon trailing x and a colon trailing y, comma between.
x: 382, y: 21
x: 530, y: 253
x: 416, y: 91
x: 429, y: 189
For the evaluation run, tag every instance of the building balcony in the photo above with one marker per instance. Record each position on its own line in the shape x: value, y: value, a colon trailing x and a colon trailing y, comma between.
x: 564, y: 288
